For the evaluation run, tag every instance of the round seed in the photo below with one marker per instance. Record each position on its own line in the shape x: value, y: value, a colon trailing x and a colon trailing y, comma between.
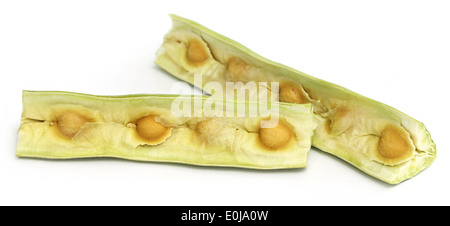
x: 151, y: 130
x: 275, y: 137
x: 197, y: 52
x: 393, y: 145
x: 292, y: 94
x: 70, y: 123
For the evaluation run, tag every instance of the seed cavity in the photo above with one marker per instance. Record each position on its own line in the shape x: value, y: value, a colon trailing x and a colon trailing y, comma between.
x: 216, y: 132
x: 69, y: 123
x: 277, y: 136
x: 197, y: 52
x: 210, y: 129
x: 395, y: 145
x: 341, y: 120
x: 151, y: 131
x: 237, y: 68
x: 291, y: 93
x: 207, y: 127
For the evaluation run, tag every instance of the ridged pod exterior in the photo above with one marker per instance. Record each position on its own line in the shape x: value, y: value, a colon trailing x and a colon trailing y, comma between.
x: 63, y: 125
x: 376, y: 138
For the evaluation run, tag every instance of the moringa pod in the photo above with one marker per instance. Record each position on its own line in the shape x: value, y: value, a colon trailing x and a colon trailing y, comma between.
x: 198, y: 130
x: 376, y: 138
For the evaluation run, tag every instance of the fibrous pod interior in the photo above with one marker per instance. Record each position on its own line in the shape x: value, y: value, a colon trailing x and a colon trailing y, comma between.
x: 376, y: 138
x: 182, y: 129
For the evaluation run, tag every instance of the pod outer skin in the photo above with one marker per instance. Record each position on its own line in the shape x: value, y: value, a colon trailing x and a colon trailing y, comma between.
x: 352, y: 147
x: 110, y: 131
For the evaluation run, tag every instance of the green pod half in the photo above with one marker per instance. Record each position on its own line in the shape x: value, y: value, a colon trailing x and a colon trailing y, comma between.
x: 376, y: 138
x: 197, y: 130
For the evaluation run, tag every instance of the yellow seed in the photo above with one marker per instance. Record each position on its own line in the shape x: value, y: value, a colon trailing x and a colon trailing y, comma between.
x: 393, y: 144
x: 70, y: 123
x: 292, y: 94
x: 275, y: 137
x: 197, y: 53
x: 237, y: 68
x: 151, y: 130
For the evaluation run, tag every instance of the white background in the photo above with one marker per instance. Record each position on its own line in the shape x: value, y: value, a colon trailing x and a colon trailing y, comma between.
x: 396, y: 52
